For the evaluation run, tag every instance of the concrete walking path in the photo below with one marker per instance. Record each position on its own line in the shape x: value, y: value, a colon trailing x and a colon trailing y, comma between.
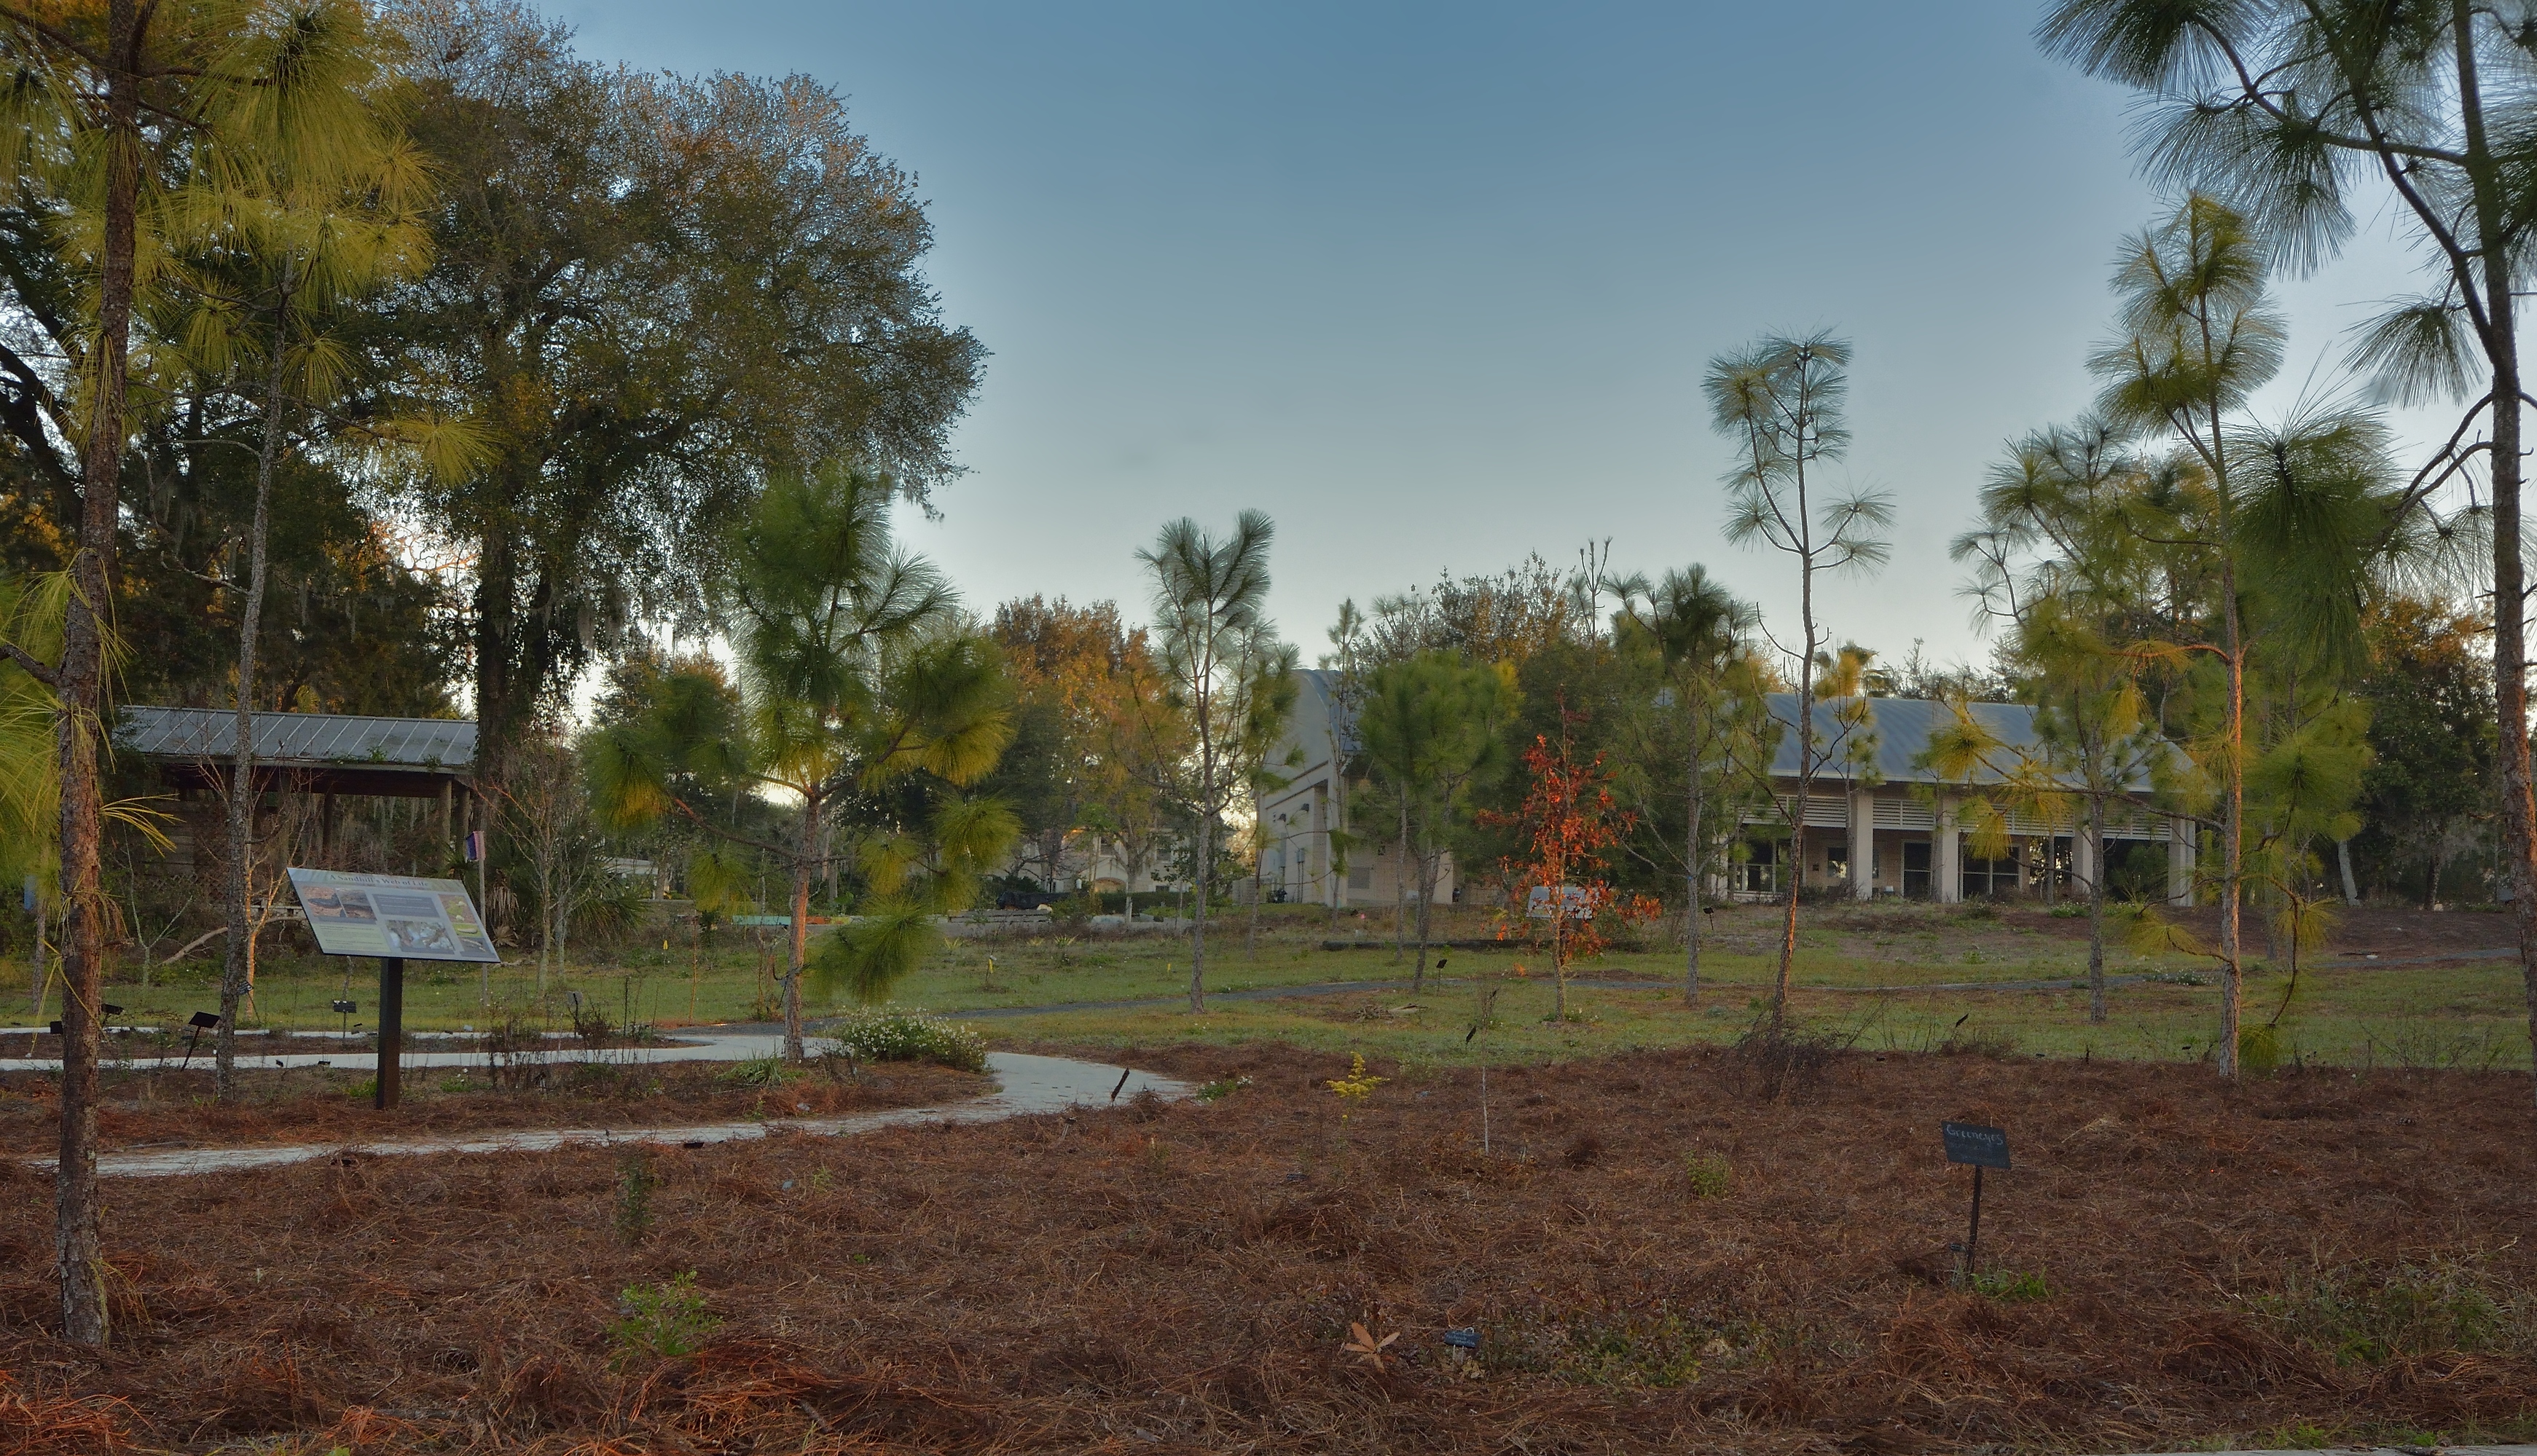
x: 1025, y: 1085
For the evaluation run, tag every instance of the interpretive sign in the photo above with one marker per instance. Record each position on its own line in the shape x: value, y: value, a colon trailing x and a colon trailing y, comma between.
x: 1971, y: 1142
x: 1576, y: 903
x: 392, y: 914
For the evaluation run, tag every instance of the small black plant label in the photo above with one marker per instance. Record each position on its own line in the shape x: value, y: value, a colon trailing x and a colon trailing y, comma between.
x: 1971, y: 1142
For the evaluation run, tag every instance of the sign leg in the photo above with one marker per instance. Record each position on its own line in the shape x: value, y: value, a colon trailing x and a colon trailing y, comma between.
x: 392, y: 1033
x: 1973, y: 1236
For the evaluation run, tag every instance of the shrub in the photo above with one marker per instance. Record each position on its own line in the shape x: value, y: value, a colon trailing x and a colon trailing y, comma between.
x: 668, y: 1320
x: 2010, y: 1287
x: 2264, y: 1049
x: 1709, y: 1173
x: 1776, y: 1056
x: 635, y: 1181
x: 890, y: 1033
x: 757, y: 1071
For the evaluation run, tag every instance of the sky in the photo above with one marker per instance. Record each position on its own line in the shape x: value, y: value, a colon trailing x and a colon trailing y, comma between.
x: 1435, y: 285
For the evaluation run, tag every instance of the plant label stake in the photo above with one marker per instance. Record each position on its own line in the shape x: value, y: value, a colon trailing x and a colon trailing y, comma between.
x: 1982, y: 1147
x: 395, y: 918
x: 202, y: 1021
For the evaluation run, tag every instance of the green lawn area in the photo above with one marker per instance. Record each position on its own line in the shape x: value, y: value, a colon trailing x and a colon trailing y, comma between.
x: 1862, y: 976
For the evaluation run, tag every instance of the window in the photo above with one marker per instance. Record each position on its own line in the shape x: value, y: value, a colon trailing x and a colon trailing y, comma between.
x: 1360, y: 879
x: 1988, y: 877
x: 1915, y: 869
x: 1759, y: 875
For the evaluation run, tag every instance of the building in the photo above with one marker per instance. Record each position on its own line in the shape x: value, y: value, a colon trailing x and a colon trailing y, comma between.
x: 1882, y: 825
x: 1296, y: 819
x: 320, y: 757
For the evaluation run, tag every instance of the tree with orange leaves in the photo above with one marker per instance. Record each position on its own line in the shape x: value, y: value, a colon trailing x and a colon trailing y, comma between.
x: 1567, y: 820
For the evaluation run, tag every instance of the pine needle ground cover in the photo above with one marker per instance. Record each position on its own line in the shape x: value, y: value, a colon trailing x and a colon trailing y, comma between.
x: 1648, y: 1256
x: 174, y: 1109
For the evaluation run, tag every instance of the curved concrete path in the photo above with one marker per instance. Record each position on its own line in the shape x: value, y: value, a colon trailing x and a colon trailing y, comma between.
x: 1025, y: 1085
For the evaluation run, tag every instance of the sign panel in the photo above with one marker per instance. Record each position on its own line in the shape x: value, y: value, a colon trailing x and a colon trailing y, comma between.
x: 1576, y: 902
x: 1971, y: 1142
x: 392, y: 914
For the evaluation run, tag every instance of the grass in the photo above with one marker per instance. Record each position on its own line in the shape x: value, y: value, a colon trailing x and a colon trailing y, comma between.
x: 2468, y: 1015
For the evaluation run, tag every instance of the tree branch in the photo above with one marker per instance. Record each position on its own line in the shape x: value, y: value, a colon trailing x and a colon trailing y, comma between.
x: 30, y: 664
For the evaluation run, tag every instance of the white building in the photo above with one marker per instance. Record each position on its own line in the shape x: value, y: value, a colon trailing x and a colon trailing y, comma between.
x: 1296, y: 820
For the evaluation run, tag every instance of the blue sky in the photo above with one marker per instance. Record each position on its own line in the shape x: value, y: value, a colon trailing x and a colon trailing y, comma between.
x: 1435, y: 285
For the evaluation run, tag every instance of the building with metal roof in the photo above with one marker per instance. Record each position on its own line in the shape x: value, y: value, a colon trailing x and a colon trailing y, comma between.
x: 1875, y: 801
x: 306, y: 752
x: 1872, y: 791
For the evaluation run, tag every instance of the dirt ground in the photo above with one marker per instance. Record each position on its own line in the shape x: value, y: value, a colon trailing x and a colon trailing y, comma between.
x: 174, y: 1109
x: 1650, y: 1257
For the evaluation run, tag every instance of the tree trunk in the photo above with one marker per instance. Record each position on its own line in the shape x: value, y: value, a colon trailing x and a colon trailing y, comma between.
x: 2343, y: 862
x: 80, y: 686
x: 1691, y: 891
x: 1400, y: 887
x: 1805, y: 730
x: 798, y: 944
x: 1558, y: 958
x: 1250, y: 929
x: 1197, y: 910
x: 2498, y: 331
x: 2232, y: 827
x: 242, y: 794
x: 2097, y: 910
x: 1426, y: 897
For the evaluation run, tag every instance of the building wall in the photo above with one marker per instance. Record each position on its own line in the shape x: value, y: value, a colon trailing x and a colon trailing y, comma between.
x: 1296, y: 820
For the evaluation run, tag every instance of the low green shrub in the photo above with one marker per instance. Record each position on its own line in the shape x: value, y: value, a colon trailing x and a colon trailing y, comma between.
x: 893, y: 1034
x: 2011, y: 1286
x: 668, y: 1320
x: 1709, y: 1175
x: 757, y: 1071
x: 636, y: 1182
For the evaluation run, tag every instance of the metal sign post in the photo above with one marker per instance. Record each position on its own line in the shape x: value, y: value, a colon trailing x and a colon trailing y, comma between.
x: 395, y: 918
x: 203, y: 1021
x: 1982, y: 1147
x: 391, y: 1031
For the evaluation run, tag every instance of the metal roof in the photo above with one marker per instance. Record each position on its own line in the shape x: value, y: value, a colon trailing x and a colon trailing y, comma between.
x: 302, y: 740
x: 1902, y: 728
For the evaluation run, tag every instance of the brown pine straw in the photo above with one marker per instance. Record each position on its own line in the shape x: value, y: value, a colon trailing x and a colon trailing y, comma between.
x: 1156, y: 1278
x: 174, y: 1108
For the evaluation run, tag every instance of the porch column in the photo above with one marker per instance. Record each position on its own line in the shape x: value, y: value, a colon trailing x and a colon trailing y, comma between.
x: 1948, y: 854
x: 1862, y: 843
x: 2083, y: 858
x: 2179, y: 862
